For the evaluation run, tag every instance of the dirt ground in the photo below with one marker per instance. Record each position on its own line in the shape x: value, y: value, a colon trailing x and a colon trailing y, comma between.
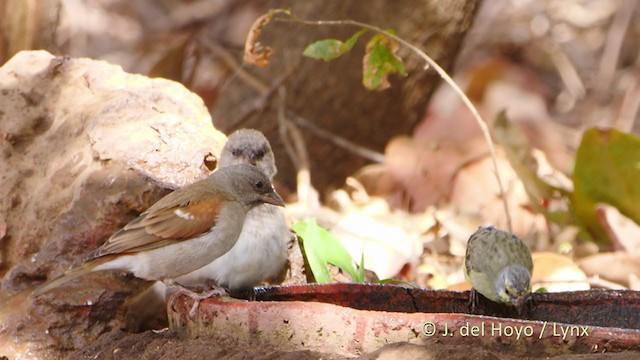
x: 166, y: 345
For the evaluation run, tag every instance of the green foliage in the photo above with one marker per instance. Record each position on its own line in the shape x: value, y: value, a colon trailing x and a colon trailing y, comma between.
x: 607, y: 170
x: 361, y: 272
x: 330, y: 49
x: 322, y: 248
x: 380, y: 61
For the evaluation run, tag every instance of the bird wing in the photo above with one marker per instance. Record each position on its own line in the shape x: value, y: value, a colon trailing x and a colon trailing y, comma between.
x: 523, y: 256
x: 489, y: 253
x: 161, y: 226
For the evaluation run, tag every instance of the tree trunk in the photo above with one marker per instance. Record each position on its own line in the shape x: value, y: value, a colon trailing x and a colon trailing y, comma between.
x: 330, y: 95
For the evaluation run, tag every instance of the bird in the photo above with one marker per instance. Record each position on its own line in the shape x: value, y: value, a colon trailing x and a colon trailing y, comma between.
x: 261, y: 252
x: 183, y: 231
x: 498, y: 265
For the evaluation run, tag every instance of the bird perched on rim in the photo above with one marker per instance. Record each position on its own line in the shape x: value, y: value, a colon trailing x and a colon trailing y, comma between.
x: 262, y: 248
x: 498, y: 265
x: 184, y: 230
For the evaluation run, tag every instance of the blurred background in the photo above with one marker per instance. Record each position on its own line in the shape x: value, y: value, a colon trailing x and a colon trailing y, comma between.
x: 403, y: 173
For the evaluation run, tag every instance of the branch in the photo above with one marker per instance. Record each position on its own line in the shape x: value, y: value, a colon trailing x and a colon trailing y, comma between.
x: 443, y: 74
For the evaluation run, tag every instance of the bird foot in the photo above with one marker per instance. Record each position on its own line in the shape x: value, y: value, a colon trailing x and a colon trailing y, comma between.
x: 194, y: 295
x: 197, y: 297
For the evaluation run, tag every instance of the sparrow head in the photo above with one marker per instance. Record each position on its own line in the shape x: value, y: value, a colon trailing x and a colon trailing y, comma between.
x: 249, y: 185
x: 248, y: 146
x: 513, y: 286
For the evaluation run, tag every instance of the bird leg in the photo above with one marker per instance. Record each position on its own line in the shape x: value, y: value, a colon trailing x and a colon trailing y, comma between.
x: 530, y: 303
x: 197, y: 297
x: 473, y: 300
x: 527, y: 305
x: 194, y: 295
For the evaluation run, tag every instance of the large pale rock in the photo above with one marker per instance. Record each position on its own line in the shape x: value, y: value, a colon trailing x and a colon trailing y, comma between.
x: 84, y: 148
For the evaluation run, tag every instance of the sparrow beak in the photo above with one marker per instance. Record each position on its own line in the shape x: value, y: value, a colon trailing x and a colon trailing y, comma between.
x: 272, y: 197
x: 253, y: 158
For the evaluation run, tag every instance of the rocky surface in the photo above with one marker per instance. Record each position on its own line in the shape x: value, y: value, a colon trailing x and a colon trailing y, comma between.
x: 84, y: 148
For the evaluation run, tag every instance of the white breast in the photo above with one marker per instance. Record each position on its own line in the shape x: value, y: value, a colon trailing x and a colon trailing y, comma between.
x: 259, y: 254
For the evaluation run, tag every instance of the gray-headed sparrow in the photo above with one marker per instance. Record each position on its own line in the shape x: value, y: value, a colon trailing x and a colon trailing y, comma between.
x: 185, y: 230
x: 260, y: 253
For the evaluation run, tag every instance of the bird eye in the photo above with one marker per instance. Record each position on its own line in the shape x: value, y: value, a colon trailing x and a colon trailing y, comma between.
x: 260, y: 154
x: 259, y: 184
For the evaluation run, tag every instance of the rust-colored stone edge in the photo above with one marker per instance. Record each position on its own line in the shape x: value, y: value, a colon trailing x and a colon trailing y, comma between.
x: 296, y: 325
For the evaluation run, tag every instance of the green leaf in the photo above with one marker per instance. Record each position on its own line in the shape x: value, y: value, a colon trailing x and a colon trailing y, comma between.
x: 361, y: 272
x: 322, y: 247
x: 348, y: 45
x: 607, y: 170
x: 380, y: 61
x: 329, y: 49
x: 308, y: 233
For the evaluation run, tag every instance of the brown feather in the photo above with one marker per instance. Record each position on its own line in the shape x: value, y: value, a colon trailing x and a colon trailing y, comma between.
x: 70, y: 275
x: 161, y: 226
x: 170, y: 224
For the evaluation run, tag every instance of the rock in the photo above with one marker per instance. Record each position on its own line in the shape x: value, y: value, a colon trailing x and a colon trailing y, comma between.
x: 84, y: 148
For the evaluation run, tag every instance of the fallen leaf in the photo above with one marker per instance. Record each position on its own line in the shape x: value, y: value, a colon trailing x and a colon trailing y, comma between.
x: 475, y: 193
x: 557, y: 273
x: 427, y: 164
x: 623, y: 232
x: 613, y: 266
x: 521, y: 157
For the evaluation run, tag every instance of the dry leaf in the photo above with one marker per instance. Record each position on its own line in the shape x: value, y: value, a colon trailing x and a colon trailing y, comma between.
x: 612, y: 266
x: 254, y: 52
x: 557, y: 273
x: 499, y: 84
x: 520, y: 155
x: 475, y: 192
x: 426, y: 165
x: 624, y: 232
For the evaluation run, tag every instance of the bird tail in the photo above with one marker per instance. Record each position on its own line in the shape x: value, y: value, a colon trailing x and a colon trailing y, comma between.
x: 63, y: 279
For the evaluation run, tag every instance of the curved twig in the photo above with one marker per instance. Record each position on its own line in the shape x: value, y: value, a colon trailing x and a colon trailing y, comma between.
x: 443, y: 74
